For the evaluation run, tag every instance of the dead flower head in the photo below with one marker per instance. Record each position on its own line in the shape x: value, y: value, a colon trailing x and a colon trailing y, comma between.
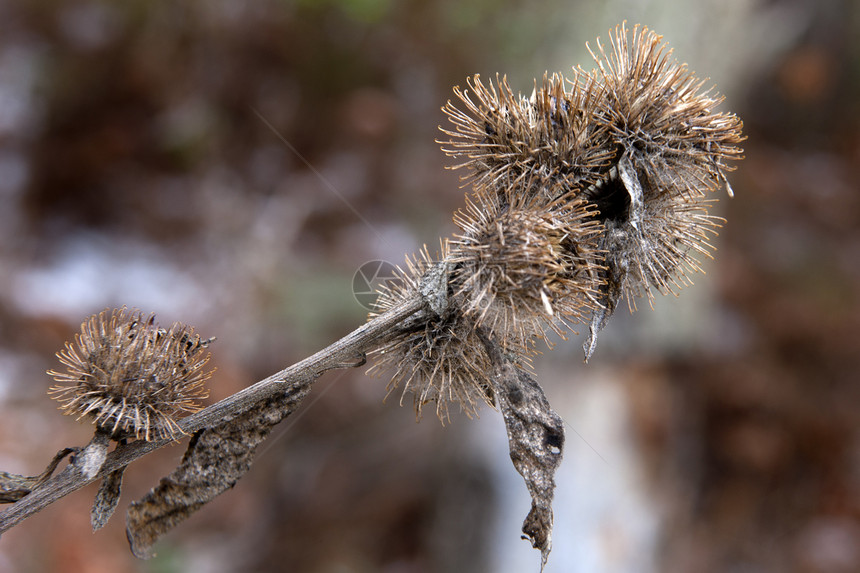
x: 514, y: 143
x: 658, y: 114
x: 638, y: 139
x: 526, y: 269
x: 130, y: 377
x: 436, y: 358
x: 671, y: 149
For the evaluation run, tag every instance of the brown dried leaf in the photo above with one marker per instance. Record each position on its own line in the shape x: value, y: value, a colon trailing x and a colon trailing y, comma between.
x: 106, y: 499
x: 15, y: 486
x: 535, y: 439
x: 215, y: 460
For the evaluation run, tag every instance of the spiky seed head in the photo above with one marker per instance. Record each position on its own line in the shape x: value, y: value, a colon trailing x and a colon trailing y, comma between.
x: 658, y: 249
x: 436, y: 358
x: 130, y: 377
x: 528, y: 269
x: 638, y: 139
x: 672, y: 147
x: 511, y: 142
x: 657, y: 112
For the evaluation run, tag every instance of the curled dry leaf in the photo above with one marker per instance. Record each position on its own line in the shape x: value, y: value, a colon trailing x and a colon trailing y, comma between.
x: 215, y: 460
x: 106, y: 499
x: 15, y: 486
x: 535, y: 439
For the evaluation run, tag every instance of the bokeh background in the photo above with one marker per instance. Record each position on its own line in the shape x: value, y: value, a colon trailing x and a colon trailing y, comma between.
x: 232, y: 164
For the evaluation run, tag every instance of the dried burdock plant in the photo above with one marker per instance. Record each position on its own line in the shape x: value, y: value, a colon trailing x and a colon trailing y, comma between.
x: 131, y: 378
x: 436, y: 358
x: 671, y: 148
x: 527, y: 268
x: 639, y: 139
x: 658, y: 114
x: 543, y: 144
x: 584, y: 193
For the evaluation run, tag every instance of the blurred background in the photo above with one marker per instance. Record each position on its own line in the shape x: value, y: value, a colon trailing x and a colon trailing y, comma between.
x: 231, y: 165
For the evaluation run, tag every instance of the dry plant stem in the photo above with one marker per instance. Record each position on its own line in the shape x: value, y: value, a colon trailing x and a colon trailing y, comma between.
x: 347, y: 352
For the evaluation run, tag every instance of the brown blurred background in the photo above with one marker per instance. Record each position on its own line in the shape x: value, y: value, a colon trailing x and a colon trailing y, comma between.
x: 231, y: 165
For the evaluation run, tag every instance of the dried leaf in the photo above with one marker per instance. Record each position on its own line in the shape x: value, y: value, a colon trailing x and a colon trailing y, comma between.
x: 106, y: 499
x: 15, y: 486
x: 535, y: 439
x: 93, y: 457
x: 215, y: 460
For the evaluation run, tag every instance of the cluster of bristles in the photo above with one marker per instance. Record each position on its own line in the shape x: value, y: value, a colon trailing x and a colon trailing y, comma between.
x: 131, y: 378
x: 589, y: 191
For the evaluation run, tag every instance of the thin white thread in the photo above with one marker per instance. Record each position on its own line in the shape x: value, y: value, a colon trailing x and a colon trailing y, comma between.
x: 319, y: 175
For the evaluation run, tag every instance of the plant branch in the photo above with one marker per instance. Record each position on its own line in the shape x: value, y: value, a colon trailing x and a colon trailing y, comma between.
x: 347, y: 352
